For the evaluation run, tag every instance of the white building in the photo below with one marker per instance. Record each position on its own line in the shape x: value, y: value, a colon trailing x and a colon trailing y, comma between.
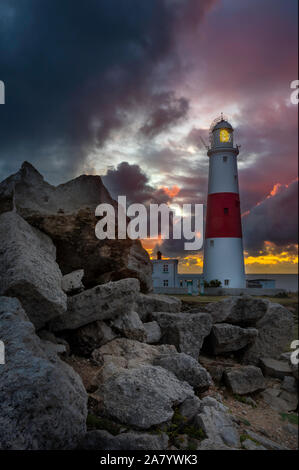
x: 166, y: 278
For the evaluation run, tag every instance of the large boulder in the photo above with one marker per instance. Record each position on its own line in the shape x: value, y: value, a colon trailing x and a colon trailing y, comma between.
x: 243, y: 380
x: 67, y: 214
x: 184, y: 330
x: 275, y: 333
x: 28, y: 269
x: 43, y: 404
x: 244, y: 310
x: 130, y: 326
x: 84, y: 340
x: 103, y: 440
x: 274, y: 368
x: 143, y: 397
x: 123, y: 353
x: 186, y: 368
x: 103, y: 302
x: 217, y: 424
x: 228, y: 338
x: 147, y: 304
x: 280, y: 400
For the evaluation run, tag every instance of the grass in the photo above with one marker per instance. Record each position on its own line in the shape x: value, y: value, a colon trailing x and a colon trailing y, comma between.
x: 96, y: 422
x: 291, y: 418
x: 245, y: 437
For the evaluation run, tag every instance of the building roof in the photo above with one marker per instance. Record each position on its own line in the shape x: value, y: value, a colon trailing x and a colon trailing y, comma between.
x: 222, y: 125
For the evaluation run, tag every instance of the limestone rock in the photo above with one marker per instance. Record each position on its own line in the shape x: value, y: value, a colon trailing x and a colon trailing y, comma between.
x: 217, y: 424
x: 243, y: 310
x: 186, y: 368
x: 103, y: 302
x: 143, y: 397
x: 280, y: 401
x: 67, y: 214
x: 153, y: 332
x: 289, y: 384
x: 248, y: 444
x: 275, y: 334
x: 122, y: 353
x: 28, y: 269
x: 264, y: 441
x: 186, y: 331
x: 72, y: 282
x: 147, y: 304
x: 246, y: 379
x: 190, y: 407
x: 274, y: 368
x: 228, y: 338
x: 84, y: 340
x: 43, y: 404
x: 130, y: 326
x: 103, y: 440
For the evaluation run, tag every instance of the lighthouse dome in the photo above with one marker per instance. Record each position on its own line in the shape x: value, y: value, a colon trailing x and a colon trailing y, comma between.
x: 222, y: 125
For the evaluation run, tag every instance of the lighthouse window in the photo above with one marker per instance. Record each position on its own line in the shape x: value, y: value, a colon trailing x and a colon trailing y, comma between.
x: 165, y: 268
x: 165, y: 283
x: 211, y: 242
x: 226, y: 282
x: 225, y: 210
x: 224, y: 159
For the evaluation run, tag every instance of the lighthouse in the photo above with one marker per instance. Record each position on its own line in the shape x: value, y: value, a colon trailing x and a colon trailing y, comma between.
x: 223, y: 246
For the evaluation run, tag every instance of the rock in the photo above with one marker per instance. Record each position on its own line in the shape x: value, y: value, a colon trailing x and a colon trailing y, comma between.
x: 228, y: 338
x: 72, y: 282
x: 84, y: 340
x: 46, y: 335
x: 211, y: 444
x: 103, y: 440
x: 67, y: 214
x: 186, y: 368
x: 103, y: 302
x: 264, y: 441
x: 248, y: 444
x: 274, y: 368
x: 217, y: 424
x: 130, y: 326
x: 186, y: 331
x: 294, y: 368
x: 190, y: 407
x: 153, y: 332
x: 285, y: 356
x: 275, y: 334
x: 289, y: 384
x: 280, y: 401
x: 143, y: 397
x: 43, y: 404
x: 28, y: 269
x: 243, y: 311
x: 216, y: 372
x: 122, y: 353
x: 246, y: 379
x: 147, y: 304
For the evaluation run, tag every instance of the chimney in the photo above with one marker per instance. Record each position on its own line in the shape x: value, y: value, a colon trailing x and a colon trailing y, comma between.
x: 159, y: 255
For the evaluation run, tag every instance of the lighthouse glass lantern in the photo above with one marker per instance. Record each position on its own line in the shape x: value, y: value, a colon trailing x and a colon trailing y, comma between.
x: 223, y: 247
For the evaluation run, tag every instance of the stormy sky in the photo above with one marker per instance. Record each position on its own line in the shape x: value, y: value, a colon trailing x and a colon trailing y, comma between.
x: 125, y: 89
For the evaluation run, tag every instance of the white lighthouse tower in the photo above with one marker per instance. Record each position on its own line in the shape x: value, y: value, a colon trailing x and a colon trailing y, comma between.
x: 223, y: 247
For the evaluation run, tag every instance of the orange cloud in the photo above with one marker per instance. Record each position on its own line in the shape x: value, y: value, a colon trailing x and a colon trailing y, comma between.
x: 171, y: 192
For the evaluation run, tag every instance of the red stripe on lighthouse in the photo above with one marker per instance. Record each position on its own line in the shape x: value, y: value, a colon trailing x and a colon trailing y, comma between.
x: 223, y: 216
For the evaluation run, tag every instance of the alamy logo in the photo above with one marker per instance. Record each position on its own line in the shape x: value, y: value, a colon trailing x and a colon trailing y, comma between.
x: 160, y: 221
x: 2, y: 92
x: 2, y: 353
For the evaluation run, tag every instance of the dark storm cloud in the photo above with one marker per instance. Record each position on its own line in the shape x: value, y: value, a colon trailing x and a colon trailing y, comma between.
x: 129, y: 180
x: 273, y: 220
x: 71, y: 68
x: 167, y: 110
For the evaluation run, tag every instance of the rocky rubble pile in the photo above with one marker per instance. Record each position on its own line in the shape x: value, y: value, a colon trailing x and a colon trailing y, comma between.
x: 93, y: 365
